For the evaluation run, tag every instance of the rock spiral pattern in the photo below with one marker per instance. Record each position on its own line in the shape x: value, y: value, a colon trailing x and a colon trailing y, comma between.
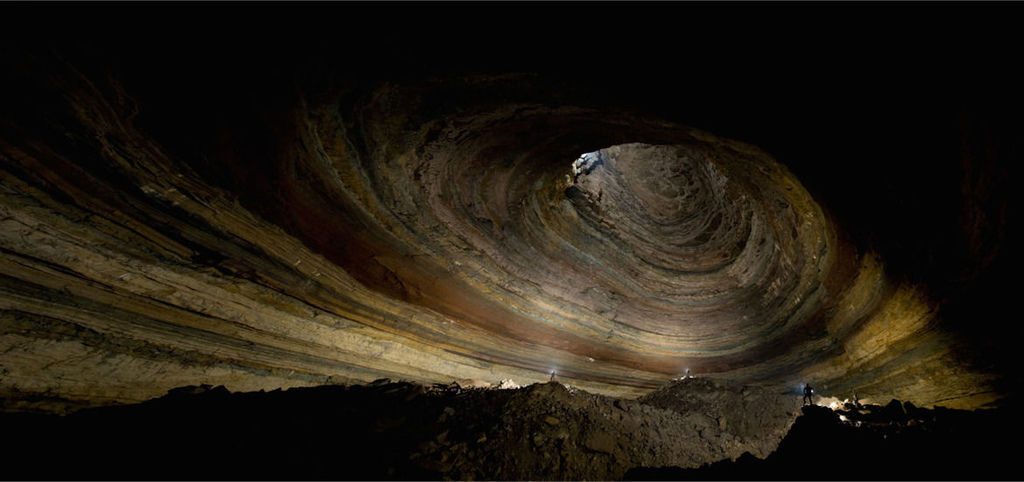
x: 408, y: 232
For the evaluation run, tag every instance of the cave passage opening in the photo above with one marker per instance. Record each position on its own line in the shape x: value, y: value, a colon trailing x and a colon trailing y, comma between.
x: 584, y: 164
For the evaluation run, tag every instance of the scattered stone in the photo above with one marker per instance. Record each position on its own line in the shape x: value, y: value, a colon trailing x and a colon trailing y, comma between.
x: 909, y: 408
x: 197, y: 390
x: 446, y: 414
x: 551, y: 420
x: 434, y: 465
x: 599, y: 442
x: 508, y: 384
x: 416, y: 392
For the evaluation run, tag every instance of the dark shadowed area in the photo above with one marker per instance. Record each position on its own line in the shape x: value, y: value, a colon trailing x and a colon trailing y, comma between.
x: 310, y: 197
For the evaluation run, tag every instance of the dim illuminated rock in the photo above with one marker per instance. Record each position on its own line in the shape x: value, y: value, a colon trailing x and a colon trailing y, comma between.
x: 472, y: 229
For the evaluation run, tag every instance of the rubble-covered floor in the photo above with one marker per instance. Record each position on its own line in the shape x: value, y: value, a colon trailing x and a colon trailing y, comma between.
x: 894, y: 442
x: 689, y: 429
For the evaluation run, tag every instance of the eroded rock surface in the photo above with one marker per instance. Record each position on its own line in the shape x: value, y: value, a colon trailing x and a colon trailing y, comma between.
x: 297, y: 216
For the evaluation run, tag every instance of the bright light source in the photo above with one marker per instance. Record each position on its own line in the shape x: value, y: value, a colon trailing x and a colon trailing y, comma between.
x: 584, y: 164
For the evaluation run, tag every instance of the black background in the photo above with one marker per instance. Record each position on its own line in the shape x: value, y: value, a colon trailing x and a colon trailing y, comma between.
x: 900, y: 118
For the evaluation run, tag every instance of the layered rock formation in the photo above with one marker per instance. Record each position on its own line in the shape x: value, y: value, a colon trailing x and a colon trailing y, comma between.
x: 328, y: 228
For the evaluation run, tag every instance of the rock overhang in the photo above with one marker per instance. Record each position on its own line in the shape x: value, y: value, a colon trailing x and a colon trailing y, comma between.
x: 431, y: 228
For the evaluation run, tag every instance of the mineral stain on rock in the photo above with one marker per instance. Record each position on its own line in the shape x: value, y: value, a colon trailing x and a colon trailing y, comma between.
x: 395, y: 194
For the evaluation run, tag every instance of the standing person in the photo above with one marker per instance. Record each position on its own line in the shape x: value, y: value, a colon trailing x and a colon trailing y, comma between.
x: 808, y: 395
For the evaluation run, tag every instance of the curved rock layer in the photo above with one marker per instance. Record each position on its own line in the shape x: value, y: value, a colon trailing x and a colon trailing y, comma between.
x: 429, y: 231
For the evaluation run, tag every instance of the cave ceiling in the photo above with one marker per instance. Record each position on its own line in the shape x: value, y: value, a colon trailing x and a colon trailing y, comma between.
x: 340, y: 194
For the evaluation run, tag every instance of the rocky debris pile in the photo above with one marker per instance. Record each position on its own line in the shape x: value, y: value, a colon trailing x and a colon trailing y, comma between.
x: 894, y: 442
x: 549, y: 431
x: 893, y: 414
x: 507, y: 383
x: 389, y: 430
x: 693, y: 428
x: 758, y: 418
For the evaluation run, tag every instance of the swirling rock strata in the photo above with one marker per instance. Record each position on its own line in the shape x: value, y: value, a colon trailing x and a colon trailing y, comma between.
x: 467, y: 229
